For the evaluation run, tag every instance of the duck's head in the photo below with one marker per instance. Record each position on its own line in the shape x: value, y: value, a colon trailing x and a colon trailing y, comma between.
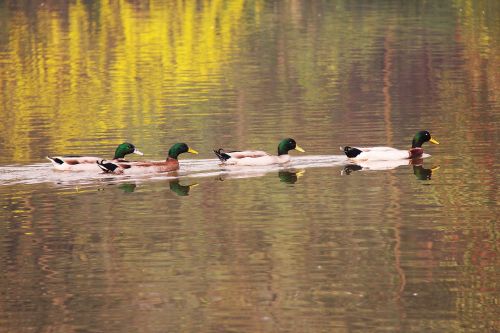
x: 180, y: 148
x: 125, y: 149
x: 421, y: 137
x: 288, y: 144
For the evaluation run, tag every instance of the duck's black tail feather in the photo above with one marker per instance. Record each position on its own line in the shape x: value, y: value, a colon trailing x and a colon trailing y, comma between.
x: 55, y: 159
x: 351, y: 152
x: 107, y: 167
x: 222, y: 155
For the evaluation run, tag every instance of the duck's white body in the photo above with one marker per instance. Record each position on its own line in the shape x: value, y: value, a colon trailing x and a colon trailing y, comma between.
x: 383, y: 154
x: 75, y: 163
x: 255, y: 158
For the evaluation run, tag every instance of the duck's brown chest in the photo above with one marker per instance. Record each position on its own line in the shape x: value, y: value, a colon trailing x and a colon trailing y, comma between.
x: 416, y: 152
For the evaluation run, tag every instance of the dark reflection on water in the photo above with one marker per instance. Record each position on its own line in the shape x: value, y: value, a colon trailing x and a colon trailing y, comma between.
x: 423, y: 173
x: 181, y: 190
x: 127, y: 187
x: 285, y: 175
x: 420, y: 172
x: 290, y: 177
x: 278, y: 250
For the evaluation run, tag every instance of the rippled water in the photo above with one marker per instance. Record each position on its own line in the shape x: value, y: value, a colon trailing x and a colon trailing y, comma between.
x: 321, y: 244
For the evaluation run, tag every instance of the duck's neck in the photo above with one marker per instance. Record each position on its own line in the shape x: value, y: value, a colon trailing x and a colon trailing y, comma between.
x: 416, y: 143
x: 119, y: 153
x: 282, y: 150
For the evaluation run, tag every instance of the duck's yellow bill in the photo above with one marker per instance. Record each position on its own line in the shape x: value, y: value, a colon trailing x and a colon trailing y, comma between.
x: 300, y: 149
x: 192, y: 151
x: 433, y: 141
x: 300, y: 173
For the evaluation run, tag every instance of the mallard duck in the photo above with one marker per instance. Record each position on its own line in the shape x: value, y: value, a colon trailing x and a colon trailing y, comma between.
x: 388, y: 153
x: 170, y: 164
x: 88, y: 163
x: 257, y: 157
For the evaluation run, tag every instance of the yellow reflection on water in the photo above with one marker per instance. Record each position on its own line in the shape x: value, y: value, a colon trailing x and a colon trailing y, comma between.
x: 83, y: 76
x: 98, y: 69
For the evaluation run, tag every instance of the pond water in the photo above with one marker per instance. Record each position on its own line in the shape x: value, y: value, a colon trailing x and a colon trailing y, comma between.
x: 320, y: 245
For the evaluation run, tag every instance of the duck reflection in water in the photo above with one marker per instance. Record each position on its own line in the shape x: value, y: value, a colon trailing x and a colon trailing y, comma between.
x: 174, y: 185
x: 127, y: 187
x: 419, y: 171
x: 422, y: 173
x: 180, y: 190
x: 289, y: 176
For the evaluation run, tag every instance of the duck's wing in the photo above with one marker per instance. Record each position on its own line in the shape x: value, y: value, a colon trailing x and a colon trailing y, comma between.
x: 376, y: 153
x: 380, y: 154
x: 238, y: 155
x: 73, y: 159
x: 248, y: 154
x: 378, y: 149
x: 139, y: 167
x: 74, y: 163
